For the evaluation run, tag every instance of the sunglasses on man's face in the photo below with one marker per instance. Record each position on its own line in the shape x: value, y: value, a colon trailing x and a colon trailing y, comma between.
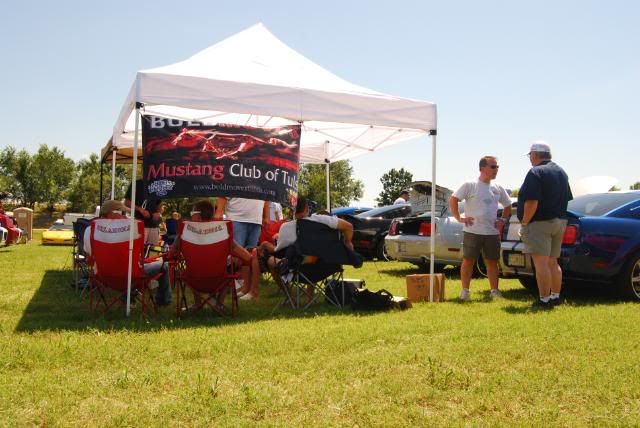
x: 494, y: 166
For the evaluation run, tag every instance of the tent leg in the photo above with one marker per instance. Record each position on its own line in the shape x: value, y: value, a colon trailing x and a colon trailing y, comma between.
x: 327, y: 168
x: 432, y: 241
x: 132, y: 222
x: 113, y: 174
x: 101, y: 182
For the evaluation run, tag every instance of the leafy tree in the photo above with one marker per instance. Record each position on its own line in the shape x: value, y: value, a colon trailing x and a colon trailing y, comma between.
x: 514, y: 193
x: 614, y: 189
x: 343, y: 187
x: 18, y: 176
x: 393, y: 183
x: 635, y: 186
x: 84, y: 191
x: 54, y: 175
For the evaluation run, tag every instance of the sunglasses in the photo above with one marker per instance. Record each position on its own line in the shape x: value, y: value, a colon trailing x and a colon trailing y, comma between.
x: 494, y: 166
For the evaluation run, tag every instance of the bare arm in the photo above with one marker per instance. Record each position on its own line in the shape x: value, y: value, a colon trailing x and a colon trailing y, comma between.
x: 453, y: 207
x: 347, y: 232
x: 221, y: 204
x: 530, y: 207
x: 265, y: 212
x: 144, y: 212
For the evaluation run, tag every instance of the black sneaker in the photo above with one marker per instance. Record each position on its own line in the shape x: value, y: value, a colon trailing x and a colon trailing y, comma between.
x: 540, y: 305
x: 555, y: 301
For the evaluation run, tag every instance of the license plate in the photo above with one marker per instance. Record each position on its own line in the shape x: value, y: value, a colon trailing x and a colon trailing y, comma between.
x: 515, y: 259
x: 402, y: 247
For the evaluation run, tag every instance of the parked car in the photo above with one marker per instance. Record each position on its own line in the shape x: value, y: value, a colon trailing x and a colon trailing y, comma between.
x: 601, y: 243
x: 409, y: 239
x: 371, y: 227
x: 58, y: 234
x: 13, y: 232
x: 342, y: 211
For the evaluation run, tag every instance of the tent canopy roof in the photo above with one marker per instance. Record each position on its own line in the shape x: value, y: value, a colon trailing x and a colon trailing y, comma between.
x: 253, y: 78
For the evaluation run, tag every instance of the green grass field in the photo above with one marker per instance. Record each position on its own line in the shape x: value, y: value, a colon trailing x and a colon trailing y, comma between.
x: 480, y: 363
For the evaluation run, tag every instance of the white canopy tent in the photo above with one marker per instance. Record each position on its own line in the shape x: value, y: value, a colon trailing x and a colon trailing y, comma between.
x: 252, y: 78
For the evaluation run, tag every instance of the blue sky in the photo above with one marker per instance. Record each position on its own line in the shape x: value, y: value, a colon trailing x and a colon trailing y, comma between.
x: 503, y: 73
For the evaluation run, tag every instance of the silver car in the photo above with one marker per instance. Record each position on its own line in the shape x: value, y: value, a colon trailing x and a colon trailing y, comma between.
x: 409, y: 239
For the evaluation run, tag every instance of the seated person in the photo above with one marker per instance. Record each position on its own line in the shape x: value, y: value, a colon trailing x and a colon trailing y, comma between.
x: 287, y: 235
x: 114, y: 210
x: 202, y: 212
x: 171, y: 225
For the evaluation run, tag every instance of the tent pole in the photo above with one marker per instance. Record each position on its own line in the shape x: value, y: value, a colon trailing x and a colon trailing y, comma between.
x: 101, y: 180
x: 432, y: 240
x: 113, y: 173
x: 132, y: 222
x: 327, y: 165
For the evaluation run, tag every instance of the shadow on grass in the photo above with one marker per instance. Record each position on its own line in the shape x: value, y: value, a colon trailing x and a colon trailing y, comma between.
x: 57, y: 306
x: 574, y: 294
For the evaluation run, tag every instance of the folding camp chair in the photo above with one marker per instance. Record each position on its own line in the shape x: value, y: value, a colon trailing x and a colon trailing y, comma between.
x: 80, y: 266
x: 205, y: 265
x: 315, y: 260
x: 108, y: 266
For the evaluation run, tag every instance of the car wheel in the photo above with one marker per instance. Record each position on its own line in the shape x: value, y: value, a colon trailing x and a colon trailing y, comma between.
x: 381, y: 252
x: 529, y: 283
x: 629, y: 280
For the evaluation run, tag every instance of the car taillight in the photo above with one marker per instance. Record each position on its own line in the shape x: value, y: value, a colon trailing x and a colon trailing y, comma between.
x: 393, y: 230
x: 570, y: 235
x: 606, y: 243
x: 425, y: 229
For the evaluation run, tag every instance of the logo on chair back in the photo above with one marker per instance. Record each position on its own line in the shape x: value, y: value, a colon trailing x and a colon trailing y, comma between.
x: 204, y: 233
x: 112, y: 231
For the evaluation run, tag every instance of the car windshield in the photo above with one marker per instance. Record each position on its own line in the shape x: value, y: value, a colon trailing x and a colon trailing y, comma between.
x: 600, y: 203
x: 376, y: 212
x: 61, y: 227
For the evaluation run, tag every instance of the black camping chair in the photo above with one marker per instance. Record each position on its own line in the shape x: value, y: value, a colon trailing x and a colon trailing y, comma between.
x: 315, y: 260
x: 80, y: 266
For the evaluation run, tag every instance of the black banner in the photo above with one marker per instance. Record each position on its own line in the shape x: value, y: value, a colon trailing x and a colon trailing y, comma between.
x: 186, y: 159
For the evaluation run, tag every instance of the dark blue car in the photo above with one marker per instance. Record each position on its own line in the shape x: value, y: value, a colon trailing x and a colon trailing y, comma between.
x: 601, y: 243
x: 341, y: 211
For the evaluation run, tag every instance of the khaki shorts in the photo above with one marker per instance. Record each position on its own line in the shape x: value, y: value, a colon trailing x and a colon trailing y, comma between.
x: 543, y: 237
x: 474, y: 244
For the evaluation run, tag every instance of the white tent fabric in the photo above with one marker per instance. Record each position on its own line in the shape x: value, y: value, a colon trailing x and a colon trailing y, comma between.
x: 263, y: 82
x: 252, y: 78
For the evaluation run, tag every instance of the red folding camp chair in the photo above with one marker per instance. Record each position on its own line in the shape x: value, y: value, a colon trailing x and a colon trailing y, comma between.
x: 205, y: 265
x: 269, y: 230
x: 108, y: 266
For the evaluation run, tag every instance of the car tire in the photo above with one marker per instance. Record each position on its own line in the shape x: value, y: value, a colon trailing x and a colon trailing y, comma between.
x: 381, y: 252
x: 629, y: 279
x: 529, y: 283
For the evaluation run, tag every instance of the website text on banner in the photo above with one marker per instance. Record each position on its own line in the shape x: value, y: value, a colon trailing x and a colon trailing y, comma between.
x: 186, y: 159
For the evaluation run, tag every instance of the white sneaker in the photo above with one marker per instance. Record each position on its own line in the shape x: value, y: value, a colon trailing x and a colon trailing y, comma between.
x: 247, y: 296
x: 464, y: 295
x: 495, y: 294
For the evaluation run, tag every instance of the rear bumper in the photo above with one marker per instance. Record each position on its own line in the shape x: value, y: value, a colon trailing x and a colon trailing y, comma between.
x: 415, y: 249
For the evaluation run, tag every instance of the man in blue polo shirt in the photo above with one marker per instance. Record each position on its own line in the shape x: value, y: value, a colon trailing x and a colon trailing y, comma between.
x: 542, y: 210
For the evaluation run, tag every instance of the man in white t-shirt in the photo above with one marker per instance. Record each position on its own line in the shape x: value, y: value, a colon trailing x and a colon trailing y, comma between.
x: 481, y: 227
x: 287, y: 234
x: 246, y: 215
x: 402, y: 199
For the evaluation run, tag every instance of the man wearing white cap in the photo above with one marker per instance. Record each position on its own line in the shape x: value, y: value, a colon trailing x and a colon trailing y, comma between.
x: 542, y: 210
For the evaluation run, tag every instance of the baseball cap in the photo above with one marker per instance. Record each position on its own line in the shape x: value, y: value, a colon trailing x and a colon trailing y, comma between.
x: 540, y: 146
x: 110, y: 206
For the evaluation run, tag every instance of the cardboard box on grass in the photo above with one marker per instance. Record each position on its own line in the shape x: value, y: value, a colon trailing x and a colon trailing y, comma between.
x: 418, y: 287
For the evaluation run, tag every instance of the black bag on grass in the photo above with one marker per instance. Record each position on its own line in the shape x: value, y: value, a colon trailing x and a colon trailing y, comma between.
x: 367, y: 300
